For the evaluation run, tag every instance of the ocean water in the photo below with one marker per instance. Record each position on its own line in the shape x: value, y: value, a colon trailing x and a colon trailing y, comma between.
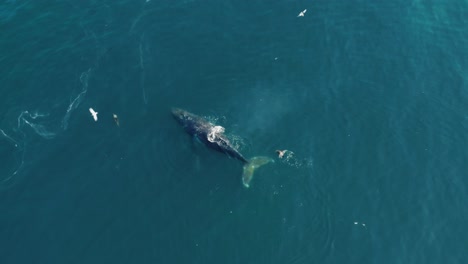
x: 369, y: 97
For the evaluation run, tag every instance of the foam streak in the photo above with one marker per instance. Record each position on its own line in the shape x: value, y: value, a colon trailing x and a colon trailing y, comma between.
x: 76, y: 102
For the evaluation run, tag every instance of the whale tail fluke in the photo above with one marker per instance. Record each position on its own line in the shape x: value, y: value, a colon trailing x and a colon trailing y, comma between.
x: 251, y: 166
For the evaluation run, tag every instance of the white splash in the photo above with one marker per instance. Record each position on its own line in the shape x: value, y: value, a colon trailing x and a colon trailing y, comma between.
x: 214, y: 131
x: 289, y: 157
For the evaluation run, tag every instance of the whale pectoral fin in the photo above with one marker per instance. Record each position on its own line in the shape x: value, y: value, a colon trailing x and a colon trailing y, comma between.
x: 196, y: 145
x: 250, y: 168
x: 196, y: 140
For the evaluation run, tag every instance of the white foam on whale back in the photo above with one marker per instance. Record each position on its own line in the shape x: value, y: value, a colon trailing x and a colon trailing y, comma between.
x: 214, y: 131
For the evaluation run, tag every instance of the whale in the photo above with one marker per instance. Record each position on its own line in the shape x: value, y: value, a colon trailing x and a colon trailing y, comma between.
x: 213, y: 137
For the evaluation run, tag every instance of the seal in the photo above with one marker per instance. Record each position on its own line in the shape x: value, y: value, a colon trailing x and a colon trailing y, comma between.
x: 213, y: 137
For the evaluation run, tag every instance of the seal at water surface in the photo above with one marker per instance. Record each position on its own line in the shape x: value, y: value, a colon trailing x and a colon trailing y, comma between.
x: 213, y: 136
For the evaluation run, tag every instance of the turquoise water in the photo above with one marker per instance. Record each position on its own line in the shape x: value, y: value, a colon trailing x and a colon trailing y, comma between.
x: 370, y: 99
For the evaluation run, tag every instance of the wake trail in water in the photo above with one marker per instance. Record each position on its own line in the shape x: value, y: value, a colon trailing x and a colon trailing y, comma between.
x: 9, y: 138
x: 17, y: 166
x: 43, y: 125
x: 142, y: 68
x: 139, y: 17
x: 40, y: 129
x: 84, y: 77
x: 140, y: 48
x: 47, y: 125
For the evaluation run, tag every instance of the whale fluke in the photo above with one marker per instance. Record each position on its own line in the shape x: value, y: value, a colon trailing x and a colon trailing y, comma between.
x: 251, y: 166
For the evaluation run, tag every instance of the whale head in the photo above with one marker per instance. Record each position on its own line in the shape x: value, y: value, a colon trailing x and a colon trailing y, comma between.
x: 184, y: 118
x: 179, y: 114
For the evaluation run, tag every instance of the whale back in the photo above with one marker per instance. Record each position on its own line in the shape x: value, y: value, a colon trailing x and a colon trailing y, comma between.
x: 204, y: 130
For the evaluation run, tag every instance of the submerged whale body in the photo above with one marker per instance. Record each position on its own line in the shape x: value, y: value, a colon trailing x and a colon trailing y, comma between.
x: 213, y: 137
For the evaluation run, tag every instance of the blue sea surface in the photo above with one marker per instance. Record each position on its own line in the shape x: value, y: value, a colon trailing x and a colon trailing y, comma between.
x: 370, y: 98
